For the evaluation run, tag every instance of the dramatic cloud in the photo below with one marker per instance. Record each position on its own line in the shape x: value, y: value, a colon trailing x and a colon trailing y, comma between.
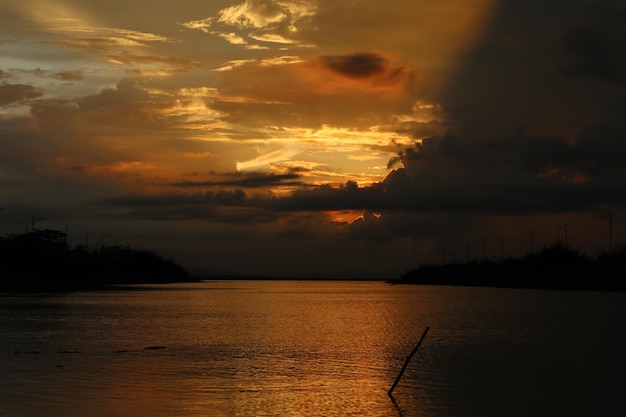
x: 17, y: 93
x: 264, y: 135
x: 593, y: 53
x: 519, y: 174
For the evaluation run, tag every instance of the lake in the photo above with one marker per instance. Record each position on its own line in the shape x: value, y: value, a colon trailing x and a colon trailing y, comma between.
x: 312, y: 348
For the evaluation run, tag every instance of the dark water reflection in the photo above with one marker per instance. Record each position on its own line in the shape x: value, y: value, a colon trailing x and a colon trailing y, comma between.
x: 312, y: 349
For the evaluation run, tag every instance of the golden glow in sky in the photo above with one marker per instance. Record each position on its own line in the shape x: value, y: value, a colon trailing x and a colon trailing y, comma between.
x: 259, y: 78
x: 303, y: 122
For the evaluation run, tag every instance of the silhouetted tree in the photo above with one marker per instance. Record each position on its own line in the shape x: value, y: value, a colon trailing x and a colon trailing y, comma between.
x: 555, y: 267
x: 42, y: 261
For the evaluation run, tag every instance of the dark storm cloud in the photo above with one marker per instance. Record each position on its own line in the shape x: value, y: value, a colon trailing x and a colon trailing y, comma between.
x: 224, y: 206
x: 594, y: 53
x: 17, y: 93
x: 517, y: 174
x: 247, y: 180
x: 407, y: 225
x: 601, y: 149
x: 222, y: 197
x: 535, y: 66
x: 532, y: 68
x: 359, y: 65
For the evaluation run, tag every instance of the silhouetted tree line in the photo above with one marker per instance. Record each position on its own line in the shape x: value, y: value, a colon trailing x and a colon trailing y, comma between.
x: 42, y: 260
x: 555, y: 267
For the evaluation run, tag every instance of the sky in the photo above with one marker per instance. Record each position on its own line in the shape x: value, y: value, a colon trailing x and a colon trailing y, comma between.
x: 353, y: 138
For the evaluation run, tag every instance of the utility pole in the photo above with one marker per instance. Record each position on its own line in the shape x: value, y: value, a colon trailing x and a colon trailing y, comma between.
x: 485, y: 248
x: 67, y: 230
x: 87, y: 233
x: 484, y: 240
x: 501, y: 247
x: 610, y: 217
x: 102, y: 236
x: 530, y: 232
x: 564, y: 227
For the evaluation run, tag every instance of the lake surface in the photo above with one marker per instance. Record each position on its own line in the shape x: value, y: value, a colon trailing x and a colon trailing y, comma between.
x: 312, y: 348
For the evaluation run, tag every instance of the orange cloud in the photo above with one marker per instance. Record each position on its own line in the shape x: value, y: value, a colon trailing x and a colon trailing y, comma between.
x: 199, y: 155
x: 266, y: 22
x: 344, y: 217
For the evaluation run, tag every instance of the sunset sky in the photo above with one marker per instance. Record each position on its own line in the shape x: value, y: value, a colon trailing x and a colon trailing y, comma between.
x: 320, y: 138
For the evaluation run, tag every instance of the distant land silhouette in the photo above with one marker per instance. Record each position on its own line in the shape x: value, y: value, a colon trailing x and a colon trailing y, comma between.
x: 555, y: 267
x: 42, y: 260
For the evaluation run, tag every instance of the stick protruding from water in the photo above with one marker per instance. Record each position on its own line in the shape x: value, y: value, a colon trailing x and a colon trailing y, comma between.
x: 406, y: 362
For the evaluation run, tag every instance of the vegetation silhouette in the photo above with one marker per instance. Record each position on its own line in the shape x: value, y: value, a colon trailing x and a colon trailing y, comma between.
x: 555, y: 267
x: 42, y: 260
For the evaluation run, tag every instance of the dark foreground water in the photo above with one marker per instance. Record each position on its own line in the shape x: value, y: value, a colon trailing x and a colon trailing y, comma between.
x: 270, y: 348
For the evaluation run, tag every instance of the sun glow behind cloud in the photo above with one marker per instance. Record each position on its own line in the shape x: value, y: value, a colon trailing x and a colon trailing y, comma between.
x: 344, y: 216
x: 345, y: 154
x: 271, y: 118
x: 329, y: 117
x: 301, y: 109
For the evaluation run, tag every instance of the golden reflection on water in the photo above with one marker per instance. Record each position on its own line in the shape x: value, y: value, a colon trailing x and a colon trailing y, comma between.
x: 310, y: 349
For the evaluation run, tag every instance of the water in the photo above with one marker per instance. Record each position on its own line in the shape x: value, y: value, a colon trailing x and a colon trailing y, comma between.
x: 279, y: 348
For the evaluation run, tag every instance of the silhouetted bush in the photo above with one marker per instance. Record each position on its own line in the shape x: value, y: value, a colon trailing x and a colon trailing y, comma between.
x: 42, y: 261
x: 555, y: 267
